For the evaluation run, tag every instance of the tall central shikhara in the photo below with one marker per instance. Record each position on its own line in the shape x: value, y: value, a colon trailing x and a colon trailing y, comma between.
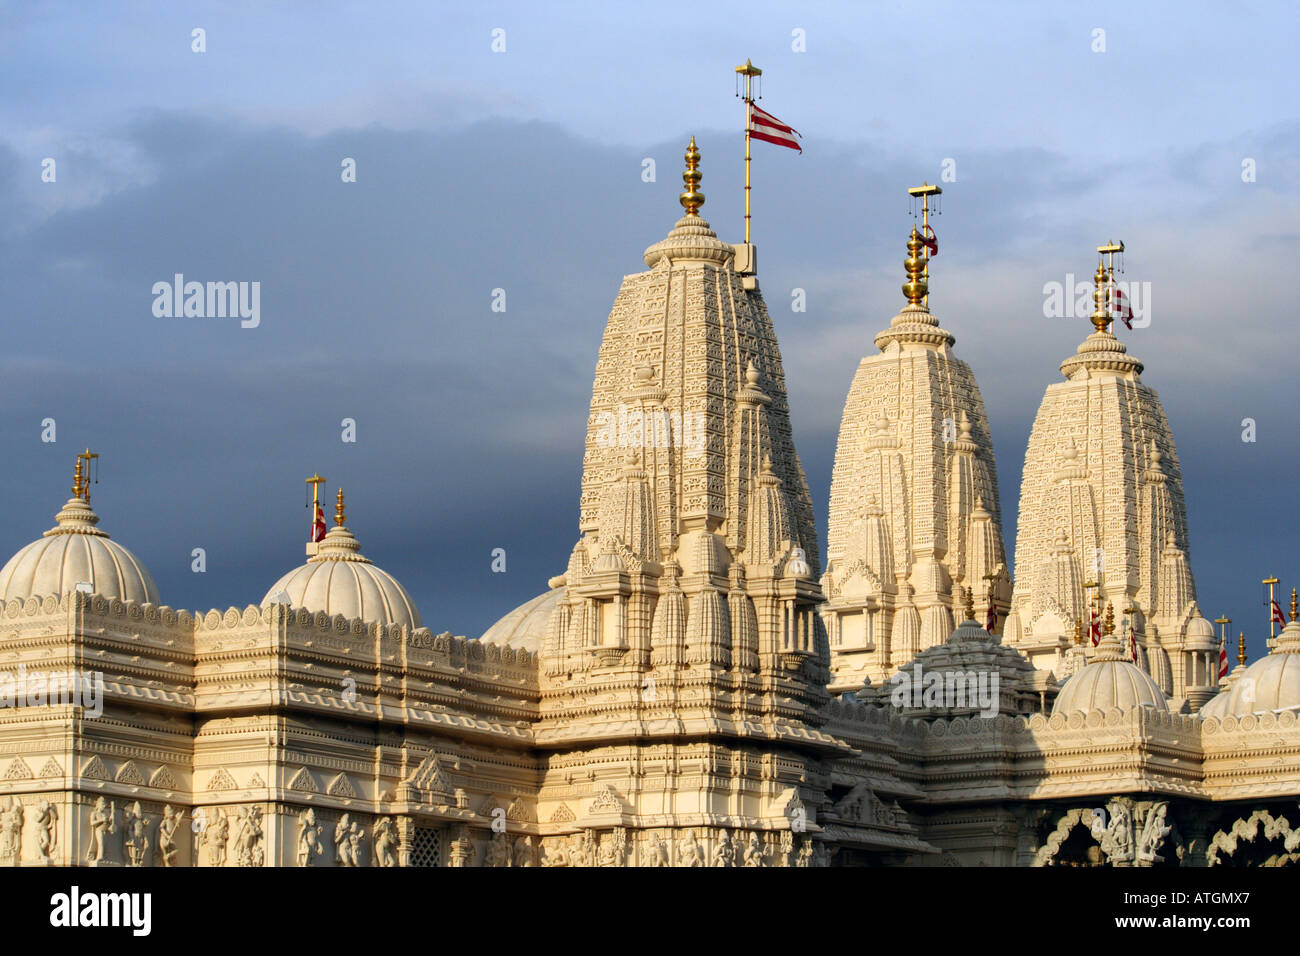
x: 688, y: 608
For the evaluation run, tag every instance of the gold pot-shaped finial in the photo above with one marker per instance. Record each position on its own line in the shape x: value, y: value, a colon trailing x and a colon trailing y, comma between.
x: 915, y: 288
x: 692, y: 199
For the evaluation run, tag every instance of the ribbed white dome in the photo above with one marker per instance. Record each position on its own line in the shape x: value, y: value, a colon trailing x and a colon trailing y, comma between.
x: 75, y: 551
x: 1271, y: 683
x: 1109, y: 680
x: 525, y: 626
x: 338, y: 579
x: 1200, y: 632
x: 1217, y: 707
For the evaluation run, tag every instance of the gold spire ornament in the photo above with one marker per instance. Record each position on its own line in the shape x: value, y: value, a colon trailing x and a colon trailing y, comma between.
x: 76, y: 480
x: 915, y: 288
x: 1241, y: 648
x: 81, y: 481
x: 338, y: 509
x: 1078, y: 631
x: 1101, y: 307
x: 1109, y: 629
x: 692, y: 199
x: 1293, y: 604
x: 925, y: 191
x: 970, y: 604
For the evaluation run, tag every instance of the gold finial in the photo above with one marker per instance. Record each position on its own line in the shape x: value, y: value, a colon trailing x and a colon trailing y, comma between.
x: 925, y: 191
x: 1293, y: 604
x: 338, y: 509
x: 1078, y: 630
x: 1241, y: 648
x: 692, y: 199
x: 76, y: 480
x: 1110, y: 619
x: 81, y: 481
x: 1101, y: 308
x: 970, y: 604
x: 915, y: 288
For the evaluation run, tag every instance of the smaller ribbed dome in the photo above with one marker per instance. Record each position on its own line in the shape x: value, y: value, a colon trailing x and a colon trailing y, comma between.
x: 1109, y: 680
x: 1217, y: 706
x: 1272, y: 683
x: 525, y: 626
x: 72, y: 552
x: 338, y: 579
x: 1200, y: 632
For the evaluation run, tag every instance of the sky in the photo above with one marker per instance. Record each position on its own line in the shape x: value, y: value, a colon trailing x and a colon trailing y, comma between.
x: 1171, y: 126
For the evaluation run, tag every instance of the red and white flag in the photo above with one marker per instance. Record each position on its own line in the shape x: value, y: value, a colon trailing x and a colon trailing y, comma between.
x: 765, y: 126
x: 991, y: 616
x: 1223, y: 660
x: 1277, y: 614
x: 1094, y: 629
x: 930, y: 241
x: 1121, y: 309
x: 318, y: 525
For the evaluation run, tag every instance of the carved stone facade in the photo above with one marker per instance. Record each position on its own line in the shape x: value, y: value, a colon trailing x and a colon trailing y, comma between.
x: 680, y: 708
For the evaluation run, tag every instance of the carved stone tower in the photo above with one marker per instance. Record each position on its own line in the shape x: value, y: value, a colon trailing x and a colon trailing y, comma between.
x: 914, y: 515
x: 687, y: 615
x: 1102, y: 520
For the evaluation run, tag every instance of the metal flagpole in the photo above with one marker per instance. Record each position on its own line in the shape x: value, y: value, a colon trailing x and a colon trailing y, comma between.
x: 1270, y: 581
x: 315, y: 482
x: 748, y: 71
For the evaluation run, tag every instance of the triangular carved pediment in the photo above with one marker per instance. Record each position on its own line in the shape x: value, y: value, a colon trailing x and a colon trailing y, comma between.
x: 304, y: 782
x: 162, y: 779
x: 95, y: 770
x: 606, y: 800
x: 222, y: 780
x: 18, y: 770
x: 340, y: 786
x: 130, y: 773
x: 430, y: 780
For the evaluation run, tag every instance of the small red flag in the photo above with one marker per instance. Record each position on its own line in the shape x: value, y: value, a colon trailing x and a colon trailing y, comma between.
x: 1277, y: 614
x: 1122, y: 310
x: 318, y: 526
x: 1094, y: 629
x: 1223, y: 660
x: 765, y: 126
x: 991, y: 616
x: 930, y: 241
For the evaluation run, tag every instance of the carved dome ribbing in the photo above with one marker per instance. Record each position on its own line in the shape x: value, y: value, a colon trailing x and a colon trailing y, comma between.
x: 1108, y: 681
x: 1272, y: 683
x: 76, y: 551
x: 339, y: 579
